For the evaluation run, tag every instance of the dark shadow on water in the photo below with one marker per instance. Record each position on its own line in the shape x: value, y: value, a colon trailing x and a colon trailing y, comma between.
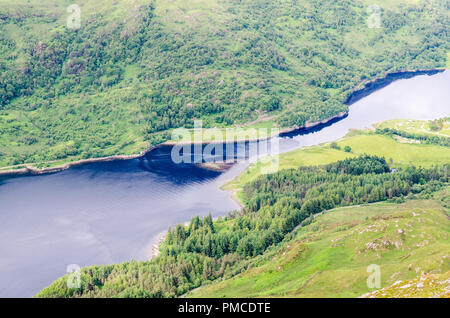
x: 383, y: 82
x: 317, y: 128
x: 358, y: 95
x: 159, y: 161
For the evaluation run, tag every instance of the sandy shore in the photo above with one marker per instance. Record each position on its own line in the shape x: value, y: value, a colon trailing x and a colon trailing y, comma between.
x: 154, y: 252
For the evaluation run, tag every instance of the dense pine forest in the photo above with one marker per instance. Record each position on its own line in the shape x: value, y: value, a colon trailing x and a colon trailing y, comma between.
x: 206, y: 250
x: 136, y: 69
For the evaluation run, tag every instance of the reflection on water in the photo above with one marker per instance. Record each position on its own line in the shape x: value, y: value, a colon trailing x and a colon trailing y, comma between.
x: 110, y: 212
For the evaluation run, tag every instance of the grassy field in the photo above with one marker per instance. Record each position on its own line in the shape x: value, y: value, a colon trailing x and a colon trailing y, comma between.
x: 423, y: 127
x: 401, y: 153
x: 329, y: 257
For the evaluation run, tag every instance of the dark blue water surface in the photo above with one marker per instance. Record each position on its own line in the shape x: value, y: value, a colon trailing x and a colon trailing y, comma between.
x: 103, y: 213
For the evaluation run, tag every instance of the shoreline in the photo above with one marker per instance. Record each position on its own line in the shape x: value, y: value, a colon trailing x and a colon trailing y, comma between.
x: 389, y: 77
x: 32, y: 171
x: 29, y: 170
x: 154, y: 252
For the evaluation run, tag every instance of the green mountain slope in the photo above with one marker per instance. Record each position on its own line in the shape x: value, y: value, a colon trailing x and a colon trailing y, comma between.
x: 329, y: 258
x: 137, y: 68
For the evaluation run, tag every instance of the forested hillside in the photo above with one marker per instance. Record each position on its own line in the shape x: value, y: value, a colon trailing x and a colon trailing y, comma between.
x: 137, y: 68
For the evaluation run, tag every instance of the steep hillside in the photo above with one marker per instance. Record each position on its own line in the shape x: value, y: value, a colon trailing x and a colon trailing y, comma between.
x: 330, y: 256
x: 137, y: 68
